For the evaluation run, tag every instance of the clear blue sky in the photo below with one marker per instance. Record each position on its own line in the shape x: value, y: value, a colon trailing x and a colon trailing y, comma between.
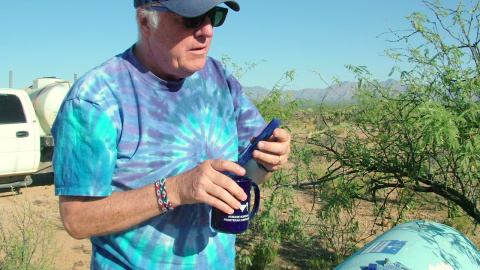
x: 63, y: 38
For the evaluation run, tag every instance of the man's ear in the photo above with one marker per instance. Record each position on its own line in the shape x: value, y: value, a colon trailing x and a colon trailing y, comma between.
x: 143, y: 23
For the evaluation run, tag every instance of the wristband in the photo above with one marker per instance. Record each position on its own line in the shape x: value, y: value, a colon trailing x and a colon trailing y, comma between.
x: 162, y: 199
x: 264, y: 168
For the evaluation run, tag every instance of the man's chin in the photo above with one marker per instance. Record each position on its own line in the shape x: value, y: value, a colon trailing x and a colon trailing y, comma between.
x: 194, y: 67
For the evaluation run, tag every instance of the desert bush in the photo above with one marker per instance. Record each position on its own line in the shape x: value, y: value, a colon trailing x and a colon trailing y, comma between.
x: 424, y: 136
x: 26, y: 237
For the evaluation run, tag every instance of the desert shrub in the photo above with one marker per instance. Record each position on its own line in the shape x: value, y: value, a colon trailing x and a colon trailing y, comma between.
x: 26, y: 237
x: 422, y: 136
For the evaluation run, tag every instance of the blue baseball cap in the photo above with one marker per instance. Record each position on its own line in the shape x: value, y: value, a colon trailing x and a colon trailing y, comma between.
x: 189, y: 8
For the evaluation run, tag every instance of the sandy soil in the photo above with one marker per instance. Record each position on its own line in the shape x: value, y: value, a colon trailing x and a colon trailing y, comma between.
x: 73, y: 254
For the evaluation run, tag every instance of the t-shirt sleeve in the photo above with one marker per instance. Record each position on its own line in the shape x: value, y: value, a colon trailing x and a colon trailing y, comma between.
x: 249, y: 120
x: 85, y: 150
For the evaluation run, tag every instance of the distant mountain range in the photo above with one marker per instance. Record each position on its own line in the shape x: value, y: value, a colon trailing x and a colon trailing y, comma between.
x: 342, y: 92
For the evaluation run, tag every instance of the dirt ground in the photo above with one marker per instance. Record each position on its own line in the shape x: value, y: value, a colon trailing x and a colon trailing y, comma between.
x: 73, y: 254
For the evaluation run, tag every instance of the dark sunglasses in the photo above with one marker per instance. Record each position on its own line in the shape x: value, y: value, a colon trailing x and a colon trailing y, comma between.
x: 217, y: 16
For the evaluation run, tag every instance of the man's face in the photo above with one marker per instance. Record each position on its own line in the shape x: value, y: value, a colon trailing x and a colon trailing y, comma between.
x: 179, y: 52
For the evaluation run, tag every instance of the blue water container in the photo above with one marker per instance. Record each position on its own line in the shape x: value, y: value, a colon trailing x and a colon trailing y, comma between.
x: 416, y: 245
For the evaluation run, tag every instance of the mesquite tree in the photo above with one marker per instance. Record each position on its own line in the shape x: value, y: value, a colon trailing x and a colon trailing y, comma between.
x: 422, y: 137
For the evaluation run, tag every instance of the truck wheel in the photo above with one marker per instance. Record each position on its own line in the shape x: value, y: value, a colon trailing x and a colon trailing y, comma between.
x: 46, y: 154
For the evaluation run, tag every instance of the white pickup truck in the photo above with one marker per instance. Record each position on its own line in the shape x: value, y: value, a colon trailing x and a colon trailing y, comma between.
x: 26, y: 117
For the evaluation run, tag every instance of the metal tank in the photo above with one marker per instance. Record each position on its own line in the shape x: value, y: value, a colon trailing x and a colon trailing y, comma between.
x: 416, y: 245
x: 47, y: 95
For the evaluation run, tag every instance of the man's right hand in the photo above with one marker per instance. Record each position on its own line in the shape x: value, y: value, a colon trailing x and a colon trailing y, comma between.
x: 206, y: 184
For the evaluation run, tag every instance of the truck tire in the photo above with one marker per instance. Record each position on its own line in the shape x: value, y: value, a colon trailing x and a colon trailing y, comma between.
x: 46, y: 153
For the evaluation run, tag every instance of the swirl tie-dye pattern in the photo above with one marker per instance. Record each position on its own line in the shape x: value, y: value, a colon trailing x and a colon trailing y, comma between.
x: 122, y: 128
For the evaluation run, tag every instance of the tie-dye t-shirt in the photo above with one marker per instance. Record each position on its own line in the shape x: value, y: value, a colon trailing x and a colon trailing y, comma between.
x: 121, y: 128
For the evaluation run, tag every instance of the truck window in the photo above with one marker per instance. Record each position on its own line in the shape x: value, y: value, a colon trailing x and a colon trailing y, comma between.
x: 11, y: 110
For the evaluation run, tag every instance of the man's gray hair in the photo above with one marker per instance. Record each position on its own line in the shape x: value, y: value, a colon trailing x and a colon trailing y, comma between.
x: 152, y: 16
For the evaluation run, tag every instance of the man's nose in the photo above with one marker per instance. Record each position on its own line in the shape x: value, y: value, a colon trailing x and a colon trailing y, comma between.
x: 206, y: 29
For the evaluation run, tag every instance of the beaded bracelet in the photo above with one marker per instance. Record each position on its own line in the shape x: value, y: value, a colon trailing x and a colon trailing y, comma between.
x: 161, y: 192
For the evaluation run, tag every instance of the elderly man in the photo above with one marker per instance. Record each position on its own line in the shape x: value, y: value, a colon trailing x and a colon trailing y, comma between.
x: 142, y: 139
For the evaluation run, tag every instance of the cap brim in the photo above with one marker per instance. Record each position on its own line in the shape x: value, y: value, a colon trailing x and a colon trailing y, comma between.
x: 187, y: 9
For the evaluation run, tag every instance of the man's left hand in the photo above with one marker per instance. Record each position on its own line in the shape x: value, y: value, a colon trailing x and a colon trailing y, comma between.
x: 273, y: 154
